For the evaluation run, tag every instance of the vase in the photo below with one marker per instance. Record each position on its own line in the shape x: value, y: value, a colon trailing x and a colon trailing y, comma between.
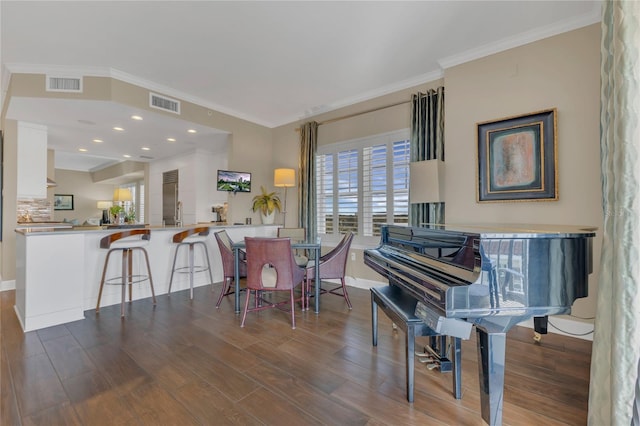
x: 268, y: 219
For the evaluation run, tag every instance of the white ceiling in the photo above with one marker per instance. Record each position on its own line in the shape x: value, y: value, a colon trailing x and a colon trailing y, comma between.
x: 271, y: 63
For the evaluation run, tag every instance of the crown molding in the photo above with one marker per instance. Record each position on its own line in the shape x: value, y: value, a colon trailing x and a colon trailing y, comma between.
x: 372, y: 94
x: 79, y: 71
x: 592, y: 17
x: 166, y: 90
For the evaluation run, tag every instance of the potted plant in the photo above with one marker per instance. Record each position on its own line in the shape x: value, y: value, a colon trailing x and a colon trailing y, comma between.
x: 266, y: 203
x: 115, y: 213
x: 130, y: 216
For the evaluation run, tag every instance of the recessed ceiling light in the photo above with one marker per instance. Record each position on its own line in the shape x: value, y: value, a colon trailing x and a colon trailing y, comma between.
x: 126, y: 156
x: 146, y: 148
x: 118, y: 129
x: 192, y: 131
x: 98, y: 140
x: 82, y: 149
x: 171, y: 139
x: 136, y: 117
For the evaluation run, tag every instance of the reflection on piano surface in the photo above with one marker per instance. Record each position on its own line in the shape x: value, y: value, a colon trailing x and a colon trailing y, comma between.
x: 493, y: 277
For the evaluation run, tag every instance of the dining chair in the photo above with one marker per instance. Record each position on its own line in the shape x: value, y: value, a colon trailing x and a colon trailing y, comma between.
x: 225, y: 244
x: 332, y: 265
x: 299, y: 234
x: 271, y: 268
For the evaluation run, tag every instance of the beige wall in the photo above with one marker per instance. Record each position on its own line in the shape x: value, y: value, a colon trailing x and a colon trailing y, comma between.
x: 381, y: 121
x: 561, y: 72
x: 9, y: 196
x: 85, y: 193
x: 251, y: 149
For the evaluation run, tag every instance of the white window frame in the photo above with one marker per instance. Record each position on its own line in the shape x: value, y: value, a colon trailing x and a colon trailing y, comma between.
x: 137, y: 189
x: 360, y: 144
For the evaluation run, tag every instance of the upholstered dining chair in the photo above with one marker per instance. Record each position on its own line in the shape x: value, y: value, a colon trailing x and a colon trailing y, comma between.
x: 271, y: 267
x: 332, y: 266
x: 299, y: 234
x: 225, y: 244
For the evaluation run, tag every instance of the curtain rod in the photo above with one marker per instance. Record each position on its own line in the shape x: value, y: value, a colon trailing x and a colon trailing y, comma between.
x: 355, y: 114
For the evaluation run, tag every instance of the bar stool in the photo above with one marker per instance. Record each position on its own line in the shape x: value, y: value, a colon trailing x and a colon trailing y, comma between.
x: 122, y: 241
x: 191, y: 238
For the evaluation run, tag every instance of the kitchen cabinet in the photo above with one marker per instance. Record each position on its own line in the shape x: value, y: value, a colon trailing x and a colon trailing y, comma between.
x: 32, y: 160
x: 58, y: 271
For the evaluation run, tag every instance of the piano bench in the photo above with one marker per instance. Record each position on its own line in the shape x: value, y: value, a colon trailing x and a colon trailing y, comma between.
x: 400, y: 307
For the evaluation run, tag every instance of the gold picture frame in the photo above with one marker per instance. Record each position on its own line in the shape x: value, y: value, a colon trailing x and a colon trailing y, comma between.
x: 517, y: 158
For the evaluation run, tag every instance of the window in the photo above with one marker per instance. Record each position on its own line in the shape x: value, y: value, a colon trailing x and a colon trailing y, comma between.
x: 134, y: 209
x: 363, y: 184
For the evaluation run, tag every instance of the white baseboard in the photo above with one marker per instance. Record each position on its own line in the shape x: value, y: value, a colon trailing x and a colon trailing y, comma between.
x: 361, y: 283
x: 565, y: 325
x: 7, y: 285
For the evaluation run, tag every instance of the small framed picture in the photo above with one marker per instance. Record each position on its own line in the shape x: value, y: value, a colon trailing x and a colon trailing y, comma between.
x: 63, y: 202
x: 517, y: 158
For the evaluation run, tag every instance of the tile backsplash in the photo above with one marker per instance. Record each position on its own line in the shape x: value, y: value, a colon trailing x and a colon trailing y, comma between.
x: 37, y: 209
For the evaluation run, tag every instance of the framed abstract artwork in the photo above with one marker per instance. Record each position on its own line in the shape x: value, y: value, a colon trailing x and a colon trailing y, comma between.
x: 517, y: 158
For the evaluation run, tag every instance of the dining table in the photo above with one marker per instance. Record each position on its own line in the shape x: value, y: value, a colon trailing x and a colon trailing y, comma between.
x: 311, y: 245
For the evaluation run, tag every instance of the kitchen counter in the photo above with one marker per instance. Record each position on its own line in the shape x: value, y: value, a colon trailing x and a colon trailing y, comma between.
x: 39, y: 225
x: 42, y: 228
x: 58, y: 269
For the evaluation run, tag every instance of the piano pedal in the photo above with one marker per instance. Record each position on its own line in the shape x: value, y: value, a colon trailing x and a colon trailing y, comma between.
x: 430, y: 361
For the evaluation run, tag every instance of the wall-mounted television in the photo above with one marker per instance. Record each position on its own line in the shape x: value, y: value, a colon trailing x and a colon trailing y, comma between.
x: 234, y: 181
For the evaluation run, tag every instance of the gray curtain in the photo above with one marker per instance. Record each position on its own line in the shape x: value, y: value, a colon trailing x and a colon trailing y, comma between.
x: 427, y: 143
x: 307, y: 182
x: 616, y: 341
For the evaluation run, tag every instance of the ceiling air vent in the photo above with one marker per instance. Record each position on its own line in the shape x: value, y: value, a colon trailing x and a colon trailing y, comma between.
x: 164, y: 103
x: 64, y: 84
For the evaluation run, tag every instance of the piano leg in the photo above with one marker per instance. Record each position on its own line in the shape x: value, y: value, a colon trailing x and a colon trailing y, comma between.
x: 457, y: 367
x: 374, y: 321
x: 410, y: 348
x: 491, y: 357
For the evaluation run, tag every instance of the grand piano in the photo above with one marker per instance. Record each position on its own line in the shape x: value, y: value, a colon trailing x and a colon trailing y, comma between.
x: 488, y: 276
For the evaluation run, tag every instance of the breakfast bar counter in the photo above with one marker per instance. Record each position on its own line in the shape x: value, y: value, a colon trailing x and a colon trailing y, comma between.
x: 58, y: 270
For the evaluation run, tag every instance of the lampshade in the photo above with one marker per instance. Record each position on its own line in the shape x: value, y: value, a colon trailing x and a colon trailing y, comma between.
x: 284, y: 177
x: 121, y: 194
x: 426, y: 182
x: 102, y: 205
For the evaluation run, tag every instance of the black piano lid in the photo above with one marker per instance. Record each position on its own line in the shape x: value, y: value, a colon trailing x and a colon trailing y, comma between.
x: 515, y: 230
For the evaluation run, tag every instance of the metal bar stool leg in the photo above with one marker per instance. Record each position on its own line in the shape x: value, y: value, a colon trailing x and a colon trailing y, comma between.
x: 173, y: 268
x: 104, y: 273
x: 146, y: 258
x: 206, y: 253
x: 124, y: 280
x: 130, y: 269
x: 191, y: 271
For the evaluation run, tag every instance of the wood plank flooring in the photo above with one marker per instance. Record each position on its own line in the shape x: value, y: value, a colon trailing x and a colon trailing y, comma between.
x: 187, y: 363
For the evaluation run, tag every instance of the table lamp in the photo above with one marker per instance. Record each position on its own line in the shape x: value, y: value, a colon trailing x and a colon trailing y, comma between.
x: 105, y: 206
x: 122, y: 195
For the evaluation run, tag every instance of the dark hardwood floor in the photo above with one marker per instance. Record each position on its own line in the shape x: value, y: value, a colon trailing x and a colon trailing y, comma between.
x: 185, y: 362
